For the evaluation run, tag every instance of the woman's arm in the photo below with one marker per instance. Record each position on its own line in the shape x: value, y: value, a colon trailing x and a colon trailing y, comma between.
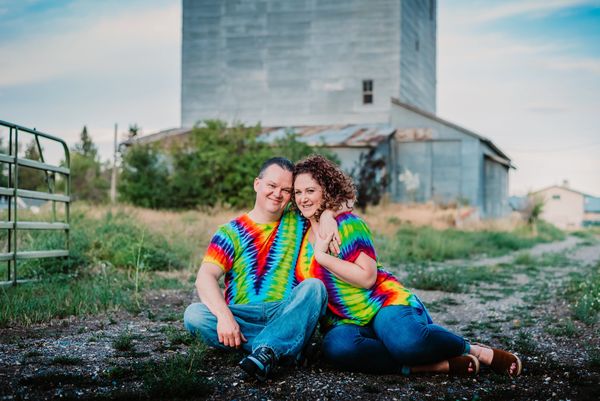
x: 361, y: 273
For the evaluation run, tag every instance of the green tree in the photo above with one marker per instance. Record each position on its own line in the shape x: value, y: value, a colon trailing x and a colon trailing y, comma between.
x: 86, y: 147
x: 370, y: 179
x: 144, y: 177
x: 133, y: 131
x: 30, y: 178
x: 88, y: 180
x: 218, y: 166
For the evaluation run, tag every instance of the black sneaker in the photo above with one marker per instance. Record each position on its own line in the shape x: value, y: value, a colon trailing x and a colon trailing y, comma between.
x: 259, y: 363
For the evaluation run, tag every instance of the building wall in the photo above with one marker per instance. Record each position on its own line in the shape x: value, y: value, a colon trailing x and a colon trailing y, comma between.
x: 302, y: 62
x: 495, y: 188
x: 426, y: 143
x: 562, y: 207
x: 418, y: 54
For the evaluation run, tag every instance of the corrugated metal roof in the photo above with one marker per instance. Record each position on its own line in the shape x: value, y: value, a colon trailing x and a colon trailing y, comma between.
x: 358, y: 135
x: 591, y: 204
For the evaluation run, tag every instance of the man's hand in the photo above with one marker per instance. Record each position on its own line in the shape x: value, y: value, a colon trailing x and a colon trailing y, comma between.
x: 322, y: 244
x: 328, y: 228
x: 229, y: 332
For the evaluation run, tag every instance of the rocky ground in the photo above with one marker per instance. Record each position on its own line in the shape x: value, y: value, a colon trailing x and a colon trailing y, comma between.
x: 516, y: 306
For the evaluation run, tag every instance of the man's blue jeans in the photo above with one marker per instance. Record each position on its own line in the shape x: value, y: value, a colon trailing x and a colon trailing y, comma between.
x: 397, y: 336
x: 284, y: 326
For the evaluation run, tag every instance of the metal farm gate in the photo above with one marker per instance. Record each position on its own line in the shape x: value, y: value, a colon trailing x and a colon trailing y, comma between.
x: 13, y: 195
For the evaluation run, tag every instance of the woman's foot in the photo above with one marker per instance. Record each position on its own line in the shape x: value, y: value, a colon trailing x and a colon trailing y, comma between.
x: 465, y: 365
x: 500, y: 361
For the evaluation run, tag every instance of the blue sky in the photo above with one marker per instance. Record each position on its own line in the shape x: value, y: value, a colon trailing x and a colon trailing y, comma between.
x: 525, y: 74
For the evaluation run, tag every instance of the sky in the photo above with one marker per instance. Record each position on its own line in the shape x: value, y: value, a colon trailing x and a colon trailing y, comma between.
x: 523, y: 73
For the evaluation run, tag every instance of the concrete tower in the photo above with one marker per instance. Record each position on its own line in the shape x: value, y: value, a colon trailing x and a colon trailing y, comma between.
x: 306, y: 62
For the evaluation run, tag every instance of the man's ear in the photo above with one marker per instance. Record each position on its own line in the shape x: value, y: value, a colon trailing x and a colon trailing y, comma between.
x: 256, y: 183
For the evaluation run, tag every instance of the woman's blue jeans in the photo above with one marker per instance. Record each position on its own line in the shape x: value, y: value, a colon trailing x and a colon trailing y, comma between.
x: 284, y: 326
x: 397, y: 336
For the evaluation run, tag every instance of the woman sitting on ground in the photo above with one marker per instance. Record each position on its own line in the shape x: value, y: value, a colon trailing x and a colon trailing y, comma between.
x: 373, y: 323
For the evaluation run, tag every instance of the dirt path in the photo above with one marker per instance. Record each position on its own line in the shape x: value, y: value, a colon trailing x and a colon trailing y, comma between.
x: 523, y: 310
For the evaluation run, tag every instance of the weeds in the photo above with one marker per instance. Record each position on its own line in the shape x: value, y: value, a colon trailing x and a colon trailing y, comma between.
x: 63, y: 296
x: 418, y: 244
x: 455, y: 279
x: 178, y: 376
x: 66, y: 360
x: 584, y: 293
x: 112, y: 239
x: 523, y: 343
x: 88, y: 293
x: 593, y: 356
x: 177, y: 336
x: 567, y: 329
x: 124, y: 343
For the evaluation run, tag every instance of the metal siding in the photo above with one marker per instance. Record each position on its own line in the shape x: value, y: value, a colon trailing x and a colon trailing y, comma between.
x: 471, y: 177
x: 495, y: 189
x: 287, y: 63
x: 418, y: 65
x: 446, y: 171
x: 414, y: 158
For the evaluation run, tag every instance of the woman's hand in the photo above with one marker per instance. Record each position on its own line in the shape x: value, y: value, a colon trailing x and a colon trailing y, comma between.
x: 322, y: 243
x: 328, y: 225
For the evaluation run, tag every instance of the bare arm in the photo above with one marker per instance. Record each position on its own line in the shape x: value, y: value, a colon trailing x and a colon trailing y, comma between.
x: 207, y: 285
x: 362, y: 273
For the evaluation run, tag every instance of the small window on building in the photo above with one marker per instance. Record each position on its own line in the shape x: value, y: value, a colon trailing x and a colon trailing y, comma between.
x: 556, y: 197
x: 368, y: 91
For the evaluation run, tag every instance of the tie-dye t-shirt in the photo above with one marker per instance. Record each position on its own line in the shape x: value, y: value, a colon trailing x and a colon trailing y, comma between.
x: 258, y: 259
x: 348, y: 303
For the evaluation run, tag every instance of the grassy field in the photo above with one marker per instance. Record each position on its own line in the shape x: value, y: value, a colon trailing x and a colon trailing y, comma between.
x: 115, y: 252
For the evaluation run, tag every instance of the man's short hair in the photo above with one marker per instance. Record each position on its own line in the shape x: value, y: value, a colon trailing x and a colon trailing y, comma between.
x: 279, y: 161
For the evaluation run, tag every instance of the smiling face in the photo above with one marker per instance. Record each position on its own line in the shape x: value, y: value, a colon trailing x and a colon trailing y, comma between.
x: 273, y: 190
x: 308, y: 195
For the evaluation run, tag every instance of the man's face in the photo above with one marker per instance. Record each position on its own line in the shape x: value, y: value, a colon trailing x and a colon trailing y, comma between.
x: 273, y: 190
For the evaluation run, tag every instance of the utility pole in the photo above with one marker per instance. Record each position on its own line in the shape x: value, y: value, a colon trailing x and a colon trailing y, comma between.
x: 113, y: 181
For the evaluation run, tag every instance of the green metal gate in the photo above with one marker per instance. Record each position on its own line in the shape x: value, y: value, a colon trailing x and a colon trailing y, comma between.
x: 13, y: 193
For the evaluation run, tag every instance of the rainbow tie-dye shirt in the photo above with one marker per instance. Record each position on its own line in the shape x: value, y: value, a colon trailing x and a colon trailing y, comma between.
x: 348, y: 303
x: 258, y: 259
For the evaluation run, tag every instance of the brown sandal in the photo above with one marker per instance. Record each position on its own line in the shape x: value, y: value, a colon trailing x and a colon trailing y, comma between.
x: 502, y: 361
x: 459, y: 365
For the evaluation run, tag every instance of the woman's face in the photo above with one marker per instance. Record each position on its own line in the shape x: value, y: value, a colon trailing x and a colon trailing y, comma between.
x: 308, y: 195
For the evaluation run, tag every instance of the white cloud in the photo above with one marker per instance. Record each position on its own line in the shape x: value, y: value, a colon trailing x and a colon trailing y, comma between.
x: 111, y: 43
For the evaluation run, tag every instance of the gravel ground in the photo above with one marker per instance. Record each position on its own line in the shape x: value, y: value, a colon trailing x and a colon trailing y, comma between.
x: 75, y: 358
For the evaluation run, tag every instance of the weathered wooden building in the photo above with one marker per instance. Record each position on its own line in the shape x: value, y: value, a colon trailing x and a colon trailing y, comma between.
x: 352, y: 75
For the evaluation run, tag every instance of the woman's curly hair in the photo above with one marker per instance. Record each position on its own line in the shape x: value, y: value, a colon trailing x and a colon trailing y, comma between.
x: 338, y: 188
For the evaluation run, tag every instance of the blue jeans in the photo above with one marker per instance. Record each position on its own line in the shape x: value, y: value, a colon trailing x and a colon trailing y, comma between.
x: 284, y: 326
x: 397, y: 336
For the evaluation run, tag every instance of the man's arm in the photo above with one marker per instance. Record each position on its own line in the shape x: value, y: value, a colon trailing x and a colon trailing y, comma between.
x: 207, y: 285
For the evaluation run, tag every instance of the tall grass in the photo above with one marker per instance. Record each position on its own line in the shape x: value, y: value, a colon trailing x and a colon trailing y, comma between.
x: 114, y: 239
x: 583, y: 292
x: 61, y: 297
x: 421, y: 244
